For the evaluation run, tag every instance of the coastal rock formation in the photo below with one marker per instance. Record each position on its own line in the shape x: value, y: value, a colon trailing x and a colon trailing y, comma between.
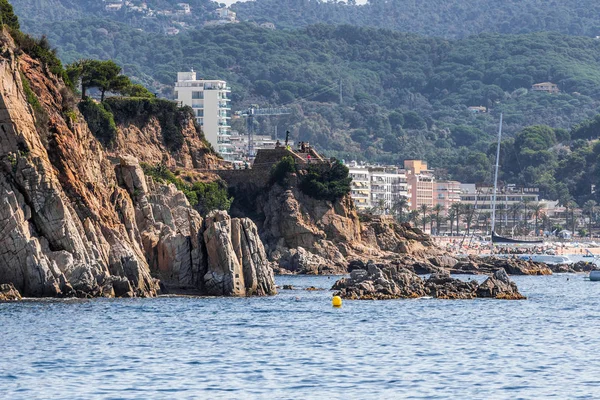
x: 499, y: 286
x: 59, y: 236
x: 382, y: 282
x: 580, y: 266
x: 9, y: 293
x: 326, y: 230
x: 146, y: 142
x: 72, y: 223
x: 217, y: 255
x: 489, y: 265
x: 305, y: 235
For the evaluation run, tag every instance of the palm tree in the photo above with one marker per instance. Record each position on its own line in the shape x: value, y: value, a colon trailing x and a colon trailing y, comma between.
x: 412, y: 216
x: 537, y: 211
x: 572, y: 206
x: 451, y: 215
x: 381, y: 206
x: 486, y: 220
x: 399, y: 206
x: 589, y: 207
x: 456, y: 209
x: 514, y: 209
x: 438, y: 208
x: 431, y: 218
x: 469, y: 210
x: 425, y: 220
x: 424, y: 208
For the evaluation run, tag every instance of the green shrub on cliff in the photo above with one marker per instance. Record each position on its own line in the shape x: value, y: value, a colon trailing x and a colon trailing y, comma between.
x: 212, y: 196
x: 280, y: 170
x: 139, y: 110
x: 8, y: 16
x: 326, y: 182
x: 204, y: 196
x: 99, y: 120
x: 31, y: 97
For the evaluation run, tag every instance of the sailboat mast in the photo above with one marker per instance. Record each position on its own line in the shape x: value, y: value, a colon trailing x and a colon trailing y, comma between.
x: 496, y: 177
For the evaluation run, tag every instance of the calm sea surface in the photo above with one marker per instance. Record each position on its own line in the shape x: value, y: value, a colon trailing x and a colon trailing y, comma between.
x: 295, y: 345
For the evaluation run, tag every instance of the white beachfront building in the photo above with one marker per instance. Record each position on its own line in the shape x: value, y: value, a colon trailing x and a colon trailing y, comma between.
x: 210, y: 101
x: 377, y: 185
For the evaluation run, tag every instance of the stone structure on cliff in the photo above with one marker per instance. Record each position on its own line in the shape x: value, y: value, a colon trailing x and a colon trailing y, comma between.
x: 71, y: 223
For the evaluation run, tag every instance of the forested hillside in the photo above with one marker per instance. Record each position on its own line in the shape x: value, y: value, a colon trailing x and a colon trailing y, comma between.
x: 402, y: 95
x: 148, y: 15
x: 443, y: 18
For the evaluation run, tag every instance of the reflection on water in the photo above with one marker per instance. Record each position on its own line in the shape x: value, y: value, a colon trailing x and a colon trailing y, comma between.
x: 295, y: 345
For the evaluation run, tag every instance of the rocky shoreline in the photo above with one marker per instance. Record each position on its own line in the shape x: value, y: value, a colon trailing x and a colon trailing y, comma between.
x: 385, y: 282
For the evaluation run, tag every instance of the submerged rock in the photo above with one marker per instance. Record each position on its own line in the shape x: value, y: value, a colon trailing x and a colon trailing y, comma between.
x: 381, y: 282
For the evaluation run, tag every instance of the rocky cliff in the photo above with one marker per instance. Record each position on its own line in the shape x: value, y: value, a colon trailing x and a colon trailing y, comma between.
x: 74, y: 223
x: 311, y: 236
x: 145, y: 139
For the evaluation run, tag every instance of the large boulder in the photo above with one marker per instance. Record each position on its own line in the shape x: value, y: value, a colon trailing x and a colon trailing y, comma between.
x: 499, y: 286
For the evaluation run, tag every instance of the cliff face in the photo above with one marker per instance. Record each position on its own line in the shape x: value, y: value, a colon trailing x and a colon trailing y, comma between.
x: 73, y: 223
x: 146, y: 142
x: 306, y: 235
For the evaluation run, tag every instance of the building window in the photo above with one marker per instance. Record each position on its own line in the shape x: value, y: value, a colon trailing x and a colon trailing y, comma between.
x: 200, y: 113
x: 197, y: 95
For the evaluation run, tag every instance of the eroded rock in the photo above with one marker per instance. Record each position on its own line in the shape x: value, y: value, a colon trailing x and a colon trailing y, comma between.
x: 382, y: 282
x: 9, y: 293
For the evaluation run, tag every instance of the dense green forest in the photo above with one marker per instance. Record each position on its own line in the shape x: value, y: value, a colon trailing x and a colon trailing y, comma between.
x: 148, y: 15
x: 443, y: 18
x: 378, y: 95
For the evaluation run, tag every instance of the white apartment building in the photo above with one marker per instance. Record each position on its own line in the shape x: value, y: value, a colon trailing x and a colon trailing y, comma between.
x: 481, y: 197
x: 210, y: 101
x: 373, y: 185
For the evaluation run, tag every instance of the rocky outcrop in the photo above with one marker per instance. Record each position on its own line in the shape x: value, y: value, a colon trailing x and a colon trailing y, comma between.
x: 218, y: 255
x: 310, y: 236
x: 580, y: 266
x: 73, y: 224
x: 9, y: 293
x: 499, y: 286
x: 237, y: 263
x: 145, y: 141
x: 58, y: 233
x: 489, y: 265
x: 382, y: 282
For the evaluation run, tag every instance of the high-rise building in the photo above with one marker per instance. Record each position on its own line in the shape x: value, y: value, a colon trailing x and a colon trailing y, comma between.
x: 421, y: 183
x: 377, y: 186
x: 446, y: 193
x: 210, y: 101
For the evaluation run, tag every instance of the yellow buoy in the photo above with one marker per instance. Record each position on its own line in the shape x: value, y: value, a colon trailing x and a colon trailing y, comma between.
x: 336, y: 301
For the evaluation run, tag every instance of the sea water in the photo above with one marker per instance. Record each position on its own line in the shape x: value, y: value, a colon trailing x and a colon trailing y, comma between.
x: 296, y: 346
